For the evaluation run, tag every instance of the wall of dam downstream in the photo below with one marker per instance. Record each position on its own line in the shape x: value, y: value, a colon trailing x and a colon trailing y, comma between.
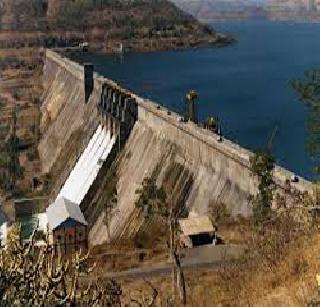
x: 67, y: 121
x: 201, y: 171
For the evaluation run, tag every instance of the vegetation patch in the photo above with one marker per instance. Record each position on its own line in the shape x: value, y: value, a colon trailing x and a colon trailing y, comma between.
x: 262, y: 165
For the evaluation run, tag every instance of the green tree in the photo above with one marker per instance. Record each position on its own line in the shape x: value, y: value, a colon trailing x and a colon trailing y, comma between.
x: 154, y: 201
x: 13, y: 163
x: 10, y: 166
x: 262, y: 165
x: 308, y: 90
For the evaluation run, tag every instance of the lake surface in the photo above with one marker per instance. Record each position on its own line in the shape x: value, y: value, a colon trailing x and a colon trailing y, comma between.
x: 246, y: 85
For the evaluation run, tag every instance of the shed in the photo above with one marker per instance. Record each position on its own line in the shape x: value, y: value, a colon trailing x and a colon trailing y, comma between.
x: 67, y: 226
x: 197, y: 231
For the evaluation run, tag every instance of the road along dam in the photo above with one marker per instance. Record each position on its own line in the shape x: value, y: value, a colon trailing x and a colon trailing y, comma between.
x: 100, y: 141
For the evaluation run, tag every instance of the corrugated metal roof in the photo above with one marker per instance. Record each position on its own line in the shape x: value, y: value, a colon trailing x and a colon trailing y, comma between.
x: 87, y: 168
x: 61, y: 210
x: 196, y: 225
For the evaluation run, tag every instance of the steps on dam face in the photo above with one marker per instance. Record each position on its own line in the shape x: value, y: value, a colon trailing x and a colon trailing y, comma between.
x: 88, y: 166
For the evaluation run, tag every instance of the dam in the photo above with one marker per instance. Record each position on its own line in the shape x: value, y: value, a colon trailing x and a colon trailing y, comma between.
x: 97, y: 134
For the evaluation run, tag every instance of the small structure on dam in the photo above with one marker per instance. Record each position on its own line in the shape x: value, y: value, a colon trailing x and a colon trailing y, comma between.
x: 191, y: 109
x: 88, y: 80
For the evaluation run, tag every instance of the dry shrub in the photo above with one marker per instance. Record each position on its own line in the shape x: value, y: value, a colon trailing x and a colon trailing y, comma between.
x: 280, y: 264
x: 273, y: 257
x: 220, y: 213
x: 32, y: 275
x: 274, y: 237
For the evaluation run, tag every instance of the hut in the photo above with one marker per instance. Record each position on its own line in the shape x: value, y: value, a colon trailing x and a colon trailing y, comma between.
x: 196, y: 231
x: 67, y: 226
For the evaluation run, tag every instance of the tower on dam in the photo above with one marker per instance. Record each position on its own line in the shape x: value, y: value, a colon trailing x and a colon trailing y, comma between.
x: 88, y: 80
x: 191, y: 110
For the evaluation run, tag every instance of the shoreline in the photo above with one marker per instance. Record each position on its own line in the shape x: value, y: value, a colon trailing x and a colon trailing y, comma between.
x: 222, y: 41
x: 60, y: 41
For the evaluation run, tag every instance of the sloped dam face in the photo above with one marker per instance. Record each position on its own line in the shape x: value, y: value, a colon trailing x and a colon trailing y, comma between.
x: 82, y: 161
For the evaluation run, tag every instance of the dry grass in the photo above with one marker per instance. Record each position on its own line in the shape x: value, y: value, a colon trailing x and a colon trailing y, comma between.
x: 124, y: 257
x: 20, y: 86
x: 278, y: 270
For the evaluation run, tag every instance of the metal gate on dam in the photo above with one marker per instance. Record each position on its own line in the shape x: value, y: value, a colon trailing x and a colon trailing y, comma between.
x: 94, y: 131
x: 119, y: 111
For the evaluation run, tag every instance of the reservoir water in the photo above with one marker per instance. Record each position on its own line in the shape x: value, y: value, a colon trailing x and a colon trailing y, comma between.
x: 246, y: 84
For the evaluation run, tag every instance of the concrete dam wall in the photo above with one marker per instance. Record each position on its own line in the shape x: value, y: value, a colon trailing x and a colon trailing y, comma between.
x: 67, y: 120
x: 201, y: 171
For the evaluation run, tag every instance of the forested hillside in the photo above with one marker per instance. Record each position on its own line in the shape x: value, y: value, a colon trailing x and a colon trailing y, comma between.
x: 141, y: 24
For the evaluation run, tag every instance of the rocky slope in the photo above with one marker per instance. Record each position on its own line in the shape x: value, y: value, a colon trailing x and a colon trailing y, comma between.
x: 138, y: 25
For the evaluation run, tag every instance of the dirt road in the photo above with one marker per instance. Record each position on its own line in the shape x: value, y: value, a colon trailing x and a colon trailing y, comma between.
x: 205, y: 257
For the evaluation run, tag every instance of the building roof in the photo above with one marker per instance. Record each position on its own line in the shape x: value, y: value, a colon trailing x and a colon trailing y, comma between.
x: 62, y: 210
x: 196, y: 225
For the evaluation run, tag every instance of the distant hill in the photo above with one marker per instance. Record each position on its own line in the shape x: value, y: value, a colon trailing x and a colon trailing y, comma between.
x: 213, y: 10
x: 293, y: 9
x: 139, y: 25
